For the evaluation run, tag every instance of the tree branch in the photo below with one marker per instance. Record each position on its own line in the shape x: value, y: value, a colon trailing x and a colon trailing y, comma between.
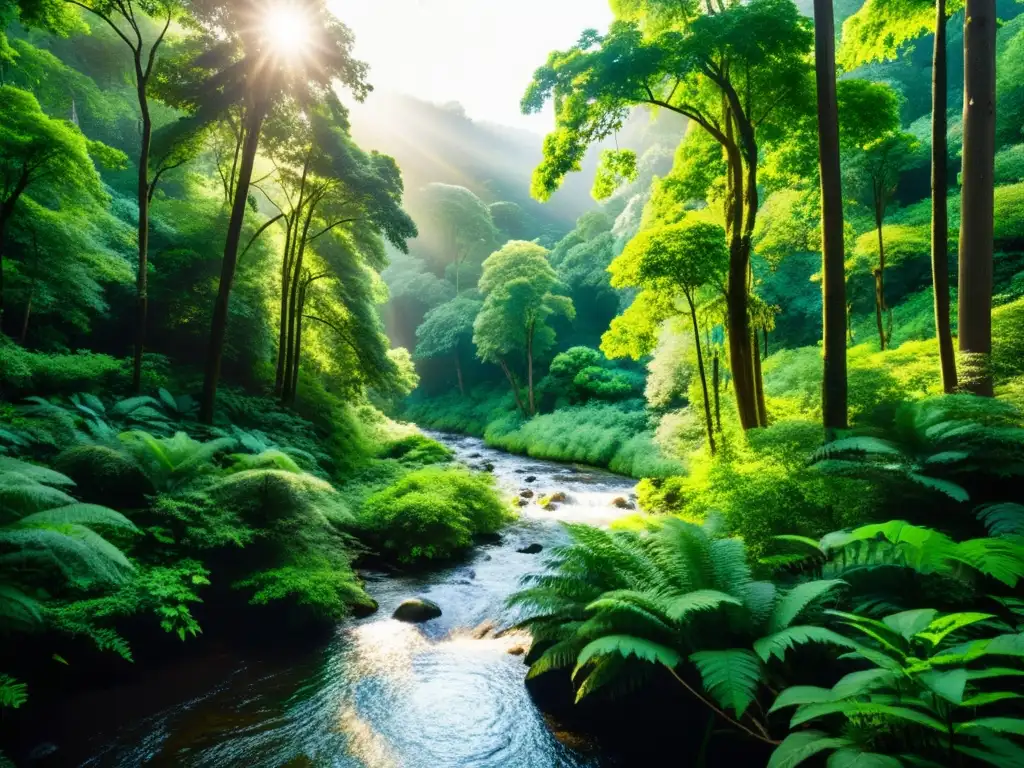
x: 327, y: 229
x: 258, y: 233
x: 157, y: 42
x: 107, y: 19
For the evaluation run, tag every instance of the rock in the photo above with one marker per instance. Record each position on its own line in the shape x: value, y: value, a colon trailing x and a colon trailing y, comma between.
x: 522, y: 502
x: 623, y: 503
x: 532, y: 549
x: 483, y: 629
x: 473, y: 456
x: 530, y: 478
x: 559, y: 496
x: 417, y: 610
x: 520, y: 471
x: 526, y: 494
x: 364, y: 608
x: 488, y: 467
x: 549, y: 506
x: 487, y: 538
x: 516, y: 650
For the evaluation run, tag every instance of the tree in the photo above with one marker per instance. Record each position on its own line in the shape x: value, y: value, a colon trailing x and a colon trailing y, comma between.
x: 678, y: 258
x: 131, y: 24
x: 246, y: 66
x: 509, y: 219
x: 877, y: 32
x: 447, y: 330
x: 739, y: 73
x: 876, y: 169
x: 833, y: 284
x: 518, y: 284
x: 976, y: 201
x: 464, y: 224
x: 47, y: 157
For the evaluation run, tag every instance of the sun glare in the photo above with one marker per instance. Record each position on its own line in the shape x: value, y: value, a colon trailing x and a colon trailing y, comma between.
x: 287, y: 29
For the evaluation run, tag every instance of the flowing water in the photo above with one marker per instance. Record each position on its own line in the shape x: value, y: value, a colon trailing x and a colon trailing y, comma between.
x: 386, y: 694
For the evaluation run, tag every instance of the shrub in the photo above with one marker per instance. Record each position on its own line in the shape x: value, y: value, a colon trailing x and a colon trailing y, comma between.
x: 36, y: 373
x: 104, y: 475
x: 417, y: 449
x: 431, y: 514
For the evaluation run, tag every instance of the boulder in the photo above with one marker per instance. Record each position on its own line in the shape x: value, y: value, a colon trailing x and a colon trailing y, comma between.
x: 559, y: 496
x: 365, y: 607
x: 526, y: 494
x: 532, y: 549
x: 520, y: 471
x: 488, y: 467
x: 473, y: 456
x: 516, y: 650
x: 417, y: 610
x: 522, y: 502
x: 623, y: 503
x: 530, y: 478
x: 484, y: 629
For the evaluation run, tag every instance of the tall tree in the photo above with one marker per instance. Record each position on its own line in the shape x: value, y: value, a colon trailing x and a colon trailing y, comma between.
x: 678, y: 258
x: 877, y: 32
x: 45, y: 156
x: 518, y: 284
x: 250, y: 64
x: 976, y: 202
x: 875, y: 169
x: 739, y: 73
x: 464, y: 225
x: 131, y: 22
x: 447, y: 331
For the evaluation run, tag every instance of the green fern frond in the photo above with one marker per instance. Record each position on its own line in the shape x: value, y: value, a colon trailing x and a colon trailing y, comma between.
x: 1005, y: 519
x: 801, y: 746
x: 33, y: 472
x: 80, y: 514
x: 851, y: 708
x: 859, y: 445
x: 13, y: 693
x: 679, y: 608
x: 731, y: 677
x: 797, y: 600
x: 626, y: 646
x: 19, y: 609
x: 778, y: 643
x: 908, y: 623
x: 559, y: 656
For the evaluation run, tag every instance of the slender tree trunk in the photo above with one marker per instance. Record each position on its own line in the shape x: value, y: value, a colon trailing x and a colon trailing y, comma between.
x: 458, y: 374
x: 218, y: 330
x: 28, y: 313
x: 976, y: 224
x: 293, y: 373
x: 286, y: 274
x: 717, y: 381
x: 141, y: 280
x: 529, y: 369
x: 6, y: 213
x: 515, y: 387
x: 703, y: 377
x: 833, y: 284
x: 879, y: 275
x: 300, y: 252
x: 940, y: 214
x: 762, y: 408
x: 765, y: 334
x: 736, y: 301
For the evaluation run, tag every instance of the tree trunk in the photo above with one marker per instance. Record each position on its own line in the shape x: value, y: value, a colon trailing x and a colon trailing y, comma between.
x: 294, y: 309
x: 879, y: 275
x: 6, y: 213
x: 141, y: 280
x: 515, y: 387
x: 218, y: 330
x: 286, y: 276
x: 458, y: 373
x: 24, y: 320
x: 762, y: 409
x: 703, y: 378
x: 833, y: 284
x: 976, y: 224
x: 293, y: 373
x: 940, y: 214
x: 765, y: 333
x: 716, y: 381
x: 529, y: 368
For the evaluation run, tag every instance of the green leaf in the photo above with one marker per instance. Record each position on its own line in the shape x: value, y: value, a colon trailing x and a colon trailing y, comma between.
x: 909, y: 623
x: 998, y: 724
x: 801, y: 694
x: 699, y: 600
x: 801, y: 746
x: 853, y: 758
x: 848, y: 708
x: 990, y: 672
x: 777, y: 644
x: 731, y: 676
x: 954, y: 491
x: 982, y: 699
x: 626, y: 646
x: 939, y: 628
x: 949, y: 685
x: 797, y: 599
x: 857, y: 683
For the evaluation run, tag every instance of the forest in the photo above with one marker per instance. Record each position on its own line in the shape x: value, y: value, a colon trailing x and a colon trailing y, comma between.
x: 281, y: 354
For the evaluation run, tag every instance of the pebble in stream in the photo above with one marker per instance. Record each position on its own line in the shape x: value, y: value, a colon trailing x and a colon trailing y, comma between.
x: 386, y: 694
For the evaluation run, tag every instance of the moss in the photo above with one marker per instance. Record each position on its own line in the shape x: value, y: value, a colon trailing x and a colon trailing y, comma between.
x: 105, y: 476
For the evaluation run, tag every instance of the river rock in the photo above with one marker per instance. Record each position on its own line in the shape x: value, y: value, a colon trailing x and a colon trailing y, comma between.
x: 559, y: 496
x: 487, y: 466
x: 516, y: 650
x: 487, y: 538
x: 526, y: 493
x: 473, y: 456
x: 520, y: 471
x: 530, y: 478
x: 623, y: 503
x: 417, y: 610
x: 483, y: 629
x: 532, y: 549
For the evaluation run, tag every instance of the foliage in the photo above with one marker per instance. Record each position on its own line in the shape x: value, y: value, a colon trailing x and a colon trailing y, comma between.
x: 431, y: 514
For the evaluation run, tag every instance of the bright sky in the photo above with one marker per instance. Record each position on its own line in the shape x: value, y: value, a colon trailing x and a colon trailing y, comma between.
x: 481, y: 53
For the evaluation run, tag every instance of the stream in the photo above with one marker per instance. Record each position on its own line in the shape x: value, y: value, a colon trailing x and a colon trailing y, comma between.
x: 383, y: 694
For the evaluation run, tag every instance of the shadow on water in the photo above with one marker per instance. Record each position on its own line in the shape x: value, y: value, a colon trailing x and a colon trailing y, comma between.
x: 381, y: 694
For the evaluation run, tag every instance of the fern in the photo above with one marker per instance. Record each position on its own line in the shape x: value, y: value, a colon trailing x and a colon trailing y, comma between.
x: 13, y: 693
x: 732, y: 677
x: 778, y: 643
x: 794, y: 602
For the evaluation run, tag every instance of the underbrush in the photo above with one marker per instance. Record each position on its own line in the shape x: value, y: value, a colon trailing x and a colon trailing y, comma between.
x: 431, y: 514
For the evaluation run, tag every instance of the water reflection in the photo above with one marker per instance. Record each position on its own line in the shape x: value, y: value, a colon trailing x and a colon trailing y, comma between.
x: 385, y: 694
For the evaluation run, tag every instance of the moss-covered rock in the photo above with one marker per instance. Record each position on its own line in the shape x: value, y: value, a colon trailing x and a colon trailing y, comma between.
x: 105, y: 476
x: 417, y: 610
